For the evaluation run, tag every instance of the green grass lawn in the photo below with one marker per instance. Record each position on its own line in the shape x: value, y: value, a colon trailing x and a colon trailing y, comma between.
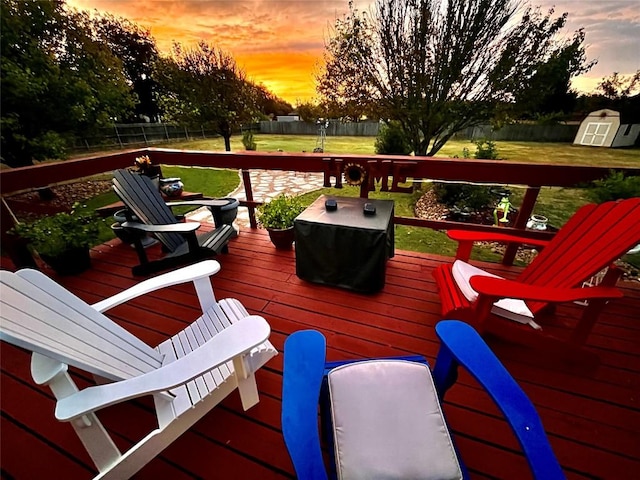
x: 556, y: 153
x: 211, y: 182
x: 534, y: 152
x: 285, y: 143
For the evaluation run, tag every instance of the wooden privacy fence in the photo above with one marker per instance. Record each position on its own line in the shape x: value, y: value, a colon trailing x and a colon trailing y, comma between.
x: 334, y: 129
x: 518, y: 132
x: 522, y: 133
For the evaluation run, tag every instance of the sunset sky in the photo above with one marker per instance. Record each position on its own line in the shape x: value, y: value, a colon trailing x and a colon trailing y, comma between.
x: 279, y: 43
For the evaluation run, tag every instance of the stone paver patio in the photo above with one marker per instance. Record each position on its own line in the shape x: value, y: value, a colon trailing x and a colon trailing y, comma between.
x: 266, y: 184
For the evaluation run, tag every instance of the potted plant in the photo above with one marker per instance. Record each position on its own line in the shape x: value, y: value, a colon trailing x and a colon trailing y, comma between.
x: 63, y: 240
x: 277, y: 217
x: 144, y: 166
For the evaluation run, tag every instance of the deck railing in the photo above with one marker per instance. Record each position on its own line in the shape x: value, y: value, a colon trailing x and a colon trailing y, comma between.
x: 395, y: 169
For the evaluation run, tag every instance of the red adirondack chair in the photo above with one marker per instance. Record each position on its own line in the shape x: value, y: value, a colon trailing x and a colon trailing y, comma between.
x: 591, y: 240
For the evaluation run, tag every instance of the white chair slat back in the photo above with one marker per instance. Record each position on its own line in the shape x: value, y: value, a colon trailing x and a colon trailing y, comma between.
x: 233, y: 309
x: 40, y: 315
x: 196, y: 339
x: 216, y: 321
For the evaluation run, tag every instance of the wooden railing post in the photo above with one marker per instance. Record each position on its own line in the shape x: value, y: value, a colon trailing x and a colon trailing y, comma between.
x: 339, y: 166
x: 326, y: 163
x: 528, y: 202
x: 246, y: 180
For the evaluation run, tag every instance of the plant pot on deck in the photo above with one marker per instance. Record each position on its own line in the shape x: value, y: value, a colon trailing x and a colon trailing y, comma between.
x: 278, y: 216
x: 69, y: 262
x: 282, y: 239
x: 226, y: 214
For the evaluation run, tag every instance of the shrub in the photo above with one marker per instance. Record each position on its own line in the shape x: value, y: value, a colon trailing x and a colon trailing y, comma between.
x: 391, y: 140
x: 462, y: 195
x: 53, y: 235
x: 248, y: 141
x: 486, y: 149
x: 614, y: 186
x: 280, y: 212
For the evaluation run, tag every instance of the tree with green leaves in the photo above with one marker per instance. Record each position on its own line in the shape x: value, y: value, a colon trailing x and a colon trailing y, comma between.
x: 615, y: 92
x: 137, y: 50
x: 268, y: 103
x: 439, y: 66
x: 549, y: 91
x: 204, y: 85
x: 616, y: 86
x: 310, y: 112
x: 342, y: 83
x: 56, y: 80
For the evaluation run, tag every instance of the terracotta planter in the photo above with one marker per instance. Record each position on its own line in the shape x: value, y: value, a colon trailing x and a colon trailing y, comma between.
x: 282, y: 238
x: 69, y: 262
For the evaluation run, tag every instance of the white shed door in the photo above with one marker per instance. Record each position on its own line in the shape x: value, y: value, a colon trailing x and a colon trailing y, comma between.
x: 595, y: 134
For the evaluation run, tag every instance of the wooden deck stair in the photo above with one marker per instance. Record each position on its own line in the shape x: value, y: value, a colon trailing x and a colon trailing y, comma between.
x: 592, y: 417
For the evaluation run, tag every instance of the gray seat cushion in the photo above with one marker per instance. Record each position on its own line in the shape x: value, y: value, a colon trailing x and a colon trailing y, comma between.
x: 388, y: 424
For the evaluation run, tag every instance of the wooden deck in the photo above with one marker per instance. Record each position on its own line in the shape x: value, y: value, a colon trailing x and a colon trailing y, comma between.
x: 592, y: 417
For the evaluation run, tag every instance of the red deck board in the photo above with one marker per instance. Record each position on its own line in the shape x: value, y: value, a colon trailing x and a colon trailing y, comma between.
x: 592, y: 416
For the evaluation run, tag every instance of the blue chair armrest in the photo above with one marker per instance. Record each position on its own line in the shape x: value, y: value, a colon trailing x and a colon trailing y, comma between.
x: 304, y: 357
x: 462, y: 345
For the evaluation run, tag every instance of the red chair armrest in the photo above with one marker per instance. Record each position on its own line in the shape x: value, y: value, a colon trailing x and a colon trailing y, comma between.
x: 471, y: 236
x: 465, y: 238
x: 501, y: 288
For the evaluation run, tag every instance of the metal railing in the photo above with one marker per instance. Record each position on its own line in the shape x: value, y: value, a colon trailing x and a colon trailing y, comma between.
x: 138, y: 135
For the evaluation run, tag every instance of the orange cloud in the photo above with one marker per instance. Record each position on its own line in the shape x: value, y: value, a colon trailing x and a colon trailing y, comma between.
x: 279, y: 42
x: 289, y: 75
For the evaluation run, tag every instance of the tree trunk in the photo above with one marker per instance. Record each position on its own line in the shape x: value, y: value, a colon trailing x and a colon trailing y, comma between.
x: 225, y: 131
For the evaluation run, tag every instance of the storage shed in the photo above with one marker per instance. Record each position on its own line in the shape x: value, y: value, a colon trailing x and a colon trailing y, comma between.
x: 604, y: 128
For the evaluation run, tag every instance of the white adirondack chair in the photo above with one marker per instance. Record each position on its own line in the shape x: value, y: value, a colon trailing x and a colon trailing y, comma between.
x: 187, y: 374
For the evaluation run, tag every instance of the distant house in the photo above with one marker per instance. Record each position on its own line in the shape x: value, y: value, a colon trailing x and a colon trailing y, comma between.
x: 288, y: 118
x: 604, y: 128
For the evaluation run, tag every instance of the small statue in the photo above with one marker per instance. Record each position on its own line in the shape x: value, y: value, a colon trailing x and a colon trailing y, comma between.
x: 502, y: 208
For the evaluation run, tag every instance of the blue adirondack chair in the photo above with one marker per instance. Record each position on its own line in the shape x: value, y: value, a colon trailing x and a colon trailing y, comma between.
x: 382, y: 418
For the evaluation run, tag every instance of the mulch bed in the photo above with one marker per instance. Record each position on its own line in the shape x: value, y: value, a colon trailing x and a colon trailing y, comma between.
x: 59, y: 198
x: 428, y: 208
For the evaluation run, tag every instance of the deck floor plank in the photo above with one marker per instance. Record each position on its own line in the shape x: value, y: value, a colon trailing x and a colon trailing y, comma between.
x: 592, y: 416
